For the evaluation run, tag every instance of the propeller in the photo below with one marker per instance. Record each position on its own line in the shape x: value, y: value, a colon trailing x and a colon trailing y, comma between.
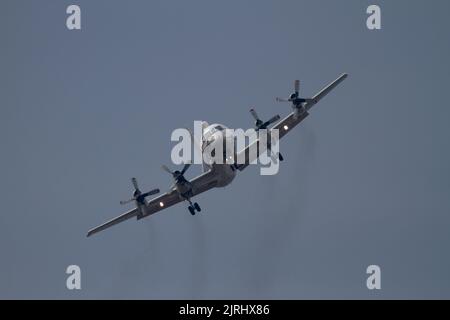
x: 259, y: 124
x: 138, y: 195
x: 177, y: 175
x: 294, y: 98
x: 134, y: 181
x: 297, y: 87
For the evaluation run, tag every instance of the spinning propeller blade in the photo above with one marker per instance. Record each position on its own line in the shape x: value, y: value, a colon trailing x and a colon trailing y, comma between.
x: 164, y: 167
x: 137, y: 196
x: 272, y: 120
x: 177, y: 174
x: 254, y: 114
x: 281, y: 99
x: 151, y: 192
x: 127, y: 201
x: 263, y: 125
x: 134, y: 181
x: 186, y: 166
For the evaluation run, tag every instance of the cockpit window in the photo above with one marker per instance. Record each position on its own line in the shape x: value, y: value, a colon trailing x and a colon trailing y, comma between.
x: 212, y: 130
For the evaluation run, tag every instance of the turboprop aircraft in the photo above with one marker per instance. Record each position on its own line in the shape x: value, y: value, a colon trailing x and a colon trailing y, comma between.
x: 217, y: 175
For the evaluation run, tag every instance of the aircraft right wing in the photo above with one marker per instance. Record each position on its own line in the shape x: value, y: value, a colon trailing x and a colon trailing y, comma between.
x: 123, y: 217
x: 200, y: 184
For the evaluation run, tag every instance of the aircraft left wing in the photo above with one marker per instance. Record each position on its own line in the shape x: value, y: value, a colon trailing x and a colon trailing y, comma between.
x: 200, y: 184
x: 287, y: 124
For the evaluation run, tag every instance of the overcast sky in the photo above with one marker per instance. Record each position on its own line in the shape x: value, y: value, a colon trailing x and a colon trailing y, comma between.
x: 366, y: 178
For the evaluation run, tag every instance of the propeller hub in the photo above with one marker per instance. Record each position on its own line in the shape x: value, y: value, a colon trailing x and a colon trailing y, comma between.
x: 259, y: 124
x: 177, y: 175
x: 140, y: 198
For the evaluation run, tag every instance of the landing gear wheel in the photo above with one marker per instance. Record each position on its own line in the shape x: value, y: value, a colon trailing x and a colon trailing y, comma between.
x: 191, y: 210
x: 197, y: 207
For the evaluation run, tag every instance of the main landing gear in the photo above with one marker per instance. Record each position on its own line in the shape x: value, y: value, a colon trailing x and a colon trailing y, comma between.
x: 193, y: 207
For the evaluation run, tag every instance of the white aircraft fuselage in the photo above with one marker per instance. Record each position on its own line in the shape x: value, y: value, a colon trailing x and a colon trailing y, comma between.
x: 212, y: 136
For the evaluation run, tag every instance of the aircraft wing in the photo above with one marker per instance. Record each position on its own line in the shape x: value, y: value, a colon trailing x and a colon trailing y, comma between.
x: 127, y: 215
x: 200, y: 184
x: 322, y: 93
x: 287, y: 124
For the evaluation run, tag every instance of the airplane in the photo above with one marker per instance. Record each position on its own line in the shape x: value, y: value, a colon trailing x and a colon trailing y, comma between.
x: 217, y: 175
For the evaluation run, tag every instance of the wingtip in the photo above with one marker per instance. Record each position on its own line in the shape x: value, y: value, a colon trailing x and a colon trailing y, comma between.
x: 90, y: 233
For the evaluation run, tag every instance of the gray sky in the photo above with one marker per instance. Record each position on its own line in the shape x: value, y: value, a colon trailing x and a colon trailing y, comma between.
x: 366, y: 178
